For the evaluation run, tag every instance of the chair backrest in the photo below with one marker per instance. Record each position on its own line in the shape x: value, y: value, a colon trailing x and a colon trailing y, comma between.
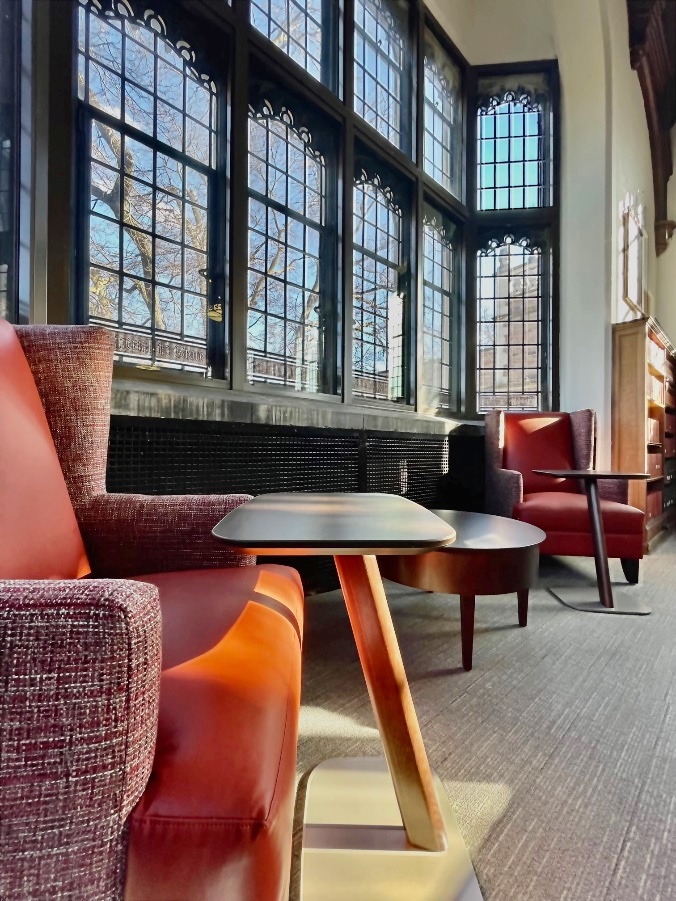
x: 39, y: 534
x: 72, y: 366
x: 539, y: 441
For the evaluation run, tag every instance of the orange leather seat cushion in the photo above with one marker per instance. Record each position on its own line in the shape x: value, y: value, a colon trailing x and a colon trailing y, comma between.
x: 215, y: 820
x: 539, y: 441
x: 39, y: 535
x: 557, y: 511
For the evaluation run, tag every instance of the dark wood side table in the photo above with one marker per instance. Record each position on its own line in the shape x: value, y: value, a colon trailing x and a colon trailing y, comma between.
x: 599, y: 600
x: 490, y: 555
x: 371, y: 830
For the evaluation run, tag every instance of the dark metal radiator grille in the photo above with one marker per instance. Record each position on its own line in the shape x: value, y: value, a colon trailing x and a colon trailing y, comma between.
x: 154, y: 456
x: 410, y: 465
x: 171, y: 456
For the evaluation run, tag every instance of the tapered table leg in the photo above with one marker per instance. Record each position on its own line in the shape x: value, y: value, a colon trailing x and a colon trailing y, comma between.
x: 599, y: 541
x: 391, y: 699
x: 588, y: 600
x: 522, y: 596
x: 467, y: 603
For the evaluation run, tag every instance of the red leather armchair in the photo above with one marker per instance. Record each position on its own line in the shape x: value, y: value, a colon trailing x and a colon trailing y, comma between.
x: 149, y: 677
x: 518, y: 443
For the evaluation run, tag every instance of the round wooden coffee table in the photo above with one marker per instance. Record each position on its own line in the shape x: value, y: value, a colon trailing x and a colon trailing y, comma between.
x: 491, y: 555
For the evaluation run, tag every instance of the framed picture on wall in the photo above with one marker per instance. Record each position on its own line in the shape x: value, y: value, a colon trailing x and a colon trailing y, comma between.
x: 633, y: 256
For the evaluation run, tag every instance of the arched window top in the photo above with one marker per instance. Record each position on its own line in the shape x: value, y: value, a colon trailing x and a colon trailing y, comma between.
x: 515, y: 142
x: 520, y: 245
x: 373, y: 184
x: 298, y: 133
x: 521, y: 100
x: 444, y: 230
x: 124, y: 11
x: 133, y: 70
x: 284, y: 166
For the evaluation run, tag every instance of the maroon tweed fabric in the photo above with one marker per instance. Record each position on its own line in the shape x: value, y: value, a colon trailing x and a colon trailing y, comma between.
x: 503, y: 487
x: 80, y: 667
x: 72, y: 367
x: 124, y: 535
x: 583, y: 424
x: 79, y: 678
x: 130, y: 534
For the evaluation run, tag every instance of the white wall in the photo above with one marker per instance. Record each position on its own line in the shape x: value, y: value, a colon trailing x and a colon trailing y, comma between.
x: 585, y: 339
x: 455, y: 17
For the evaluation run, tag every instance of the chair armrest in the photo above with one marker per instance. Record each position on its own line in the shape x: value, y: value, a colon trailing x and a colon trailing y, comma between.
x: 504, y: 489
x: 614, y: 490
x: 79, y: 691
x: 135, y: 534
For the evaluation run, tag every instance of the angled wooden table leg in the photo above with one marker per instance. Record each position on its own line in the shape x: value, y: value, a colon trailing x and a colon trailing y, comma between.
x: 373, y: 828
x: 391, y: 699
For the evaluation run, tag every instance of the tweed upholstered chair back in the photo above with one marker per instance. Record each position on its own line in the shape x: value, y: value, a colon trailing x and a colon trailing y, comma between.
x: 75, y: 364
x: 39, y: 534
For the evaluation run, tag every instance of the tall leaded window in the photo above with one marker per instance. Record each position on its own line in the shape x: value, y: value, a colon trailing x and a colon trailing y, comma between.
x: 513, y: 328
x: 287, y: 221
x: 515, y: 164
x: 178, y: 206
x: 514, y: 153
x: 296, y: 27
x: 441, y: 326
x: 443, y: 150
x: 379, y: 305
x: 380, y: 68
x: 150, y: 148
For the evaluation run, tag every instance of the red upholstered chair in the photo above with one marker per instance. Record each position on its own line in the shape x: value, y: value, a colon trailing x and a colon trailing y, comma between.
x: 149, y: 678
x: 518, y: 443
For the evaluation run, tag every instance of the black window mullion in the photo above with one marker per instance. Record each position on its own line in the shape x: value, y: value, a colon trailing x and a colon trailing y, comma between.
x: 239, y: 200
x: 329, y: 282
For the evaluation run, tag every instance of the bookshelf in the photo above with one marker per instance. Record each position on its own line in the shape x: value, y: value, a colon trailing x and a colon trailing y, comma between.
x: 644, y: 419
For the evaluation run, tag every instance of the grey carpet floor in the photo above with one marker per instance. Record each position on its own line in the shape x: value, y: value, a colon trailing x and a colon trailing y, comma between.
x: 558, y: 750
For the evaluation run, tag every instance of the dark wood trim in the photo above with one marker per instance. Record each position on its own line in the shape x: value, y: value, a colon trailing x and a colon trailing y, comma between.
x: 60, y: 160
x: 652, y: 42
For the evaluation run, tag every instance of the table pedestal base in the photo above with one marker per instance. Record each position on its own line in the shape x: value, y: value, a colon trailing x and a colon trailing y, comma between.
x: 587, y: 600
x: 355, y: 847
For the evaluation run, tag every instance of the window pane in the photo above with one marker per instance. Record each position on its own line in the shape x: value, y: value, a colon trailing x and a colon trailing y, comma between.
x: 443, y: 150
x: 514, y: 143
x: 295, y: 26
x: 286, y: 226
x: 440, y: 322
x: 511, y: 308
x: 149, y: 215
x: 379, y: 68
x: 379, y: 307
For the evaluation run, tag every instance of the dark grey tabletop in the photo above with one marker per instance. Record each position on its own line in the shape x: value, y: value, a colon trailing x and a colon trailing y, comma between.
x: 306, y: 523
x: 590, y: 474
x: 485, y: 532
